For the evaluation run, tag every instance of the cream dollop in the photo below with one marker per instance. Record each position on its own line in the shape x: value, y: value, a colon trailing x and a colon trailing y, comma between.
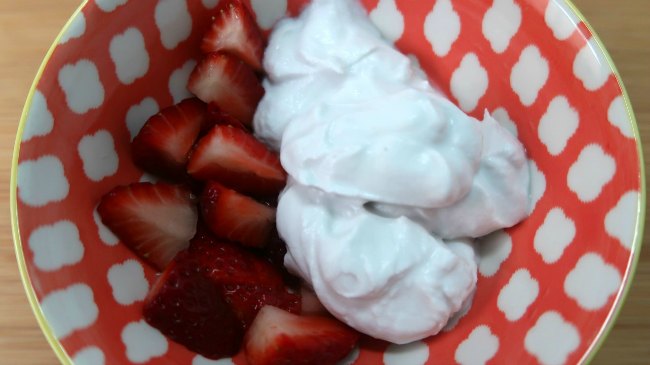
x: 382, y: 169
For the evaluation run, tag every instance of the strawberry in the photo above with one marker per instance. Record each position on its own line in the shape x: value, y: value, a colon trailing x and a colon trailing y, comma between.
x: 236, y: 217
x: 238, y: 161
x: 229, y: 83
x: 217, y: 116
x: 249, y: 282
x: 156, y: 221
x: 234, y: 31
x: 164, y: 142
x: 310, y: 303
x: 279, y: 337
x: 210, y: 294
x: 188, y: 308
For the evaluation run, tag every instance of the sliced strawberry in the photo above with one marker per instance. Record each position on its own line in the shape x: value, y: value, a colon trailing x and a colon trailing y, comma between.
x: 188, y: 308
x: 310, y: 303
x: 250, y: 282
x: 210, y: 294
x: 231, y: 264
x: 218, y: 116
x: 279, y: 337
x: 238, y: 161
x: 164, y: 142
x: 229, y: 83
x: 156, y: 221
x: 236, y: 217
x: 234, y: 31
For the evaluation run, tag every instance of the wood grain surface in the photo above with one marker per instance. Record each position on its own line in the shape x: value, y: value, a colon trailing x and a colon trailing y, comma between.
x: 27, y: 27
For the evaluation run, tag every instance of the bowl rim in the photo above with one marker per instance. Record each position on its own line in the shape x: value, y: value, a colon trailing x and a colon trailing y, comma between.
x: 587, y: 357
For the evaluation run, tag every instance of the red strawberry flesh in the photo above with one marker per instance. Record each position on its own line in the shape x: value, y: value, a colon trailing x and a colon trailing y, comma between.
x: 156, y: 221
x: 188, y: 308
x: 229, y: 83
x: 236, y: 217
x: 279, y: 337
x: 234, y: 31
x: 238, y: 161
x: 164, y: 142
x: 248, y: 281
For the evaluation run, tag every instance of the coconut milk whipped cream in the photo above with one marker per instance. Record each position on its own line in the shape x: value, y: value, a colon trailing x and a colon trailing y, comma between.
x: 382, y: 169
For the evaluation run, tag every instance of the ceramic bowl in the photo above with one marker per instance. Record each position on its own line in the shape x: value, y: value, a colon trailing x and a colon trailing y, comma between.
x: 549, y: 289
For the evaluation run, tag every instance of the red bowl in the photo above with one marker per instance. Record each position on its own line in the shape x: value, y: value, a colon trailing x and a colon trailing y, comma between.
x: 549, y: 288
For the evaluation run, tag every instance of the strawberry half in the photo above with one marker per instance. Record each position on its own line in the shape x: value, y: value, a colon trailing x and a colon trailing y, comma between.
x: 211, y: 293
x: 164, y: 142
x: 248, y: 281
x: 229, y: 83
x: 279, y: 337
x: 188, y: 308
x: 234, y: 31
x: 156, y: 221
x: 238, y: 161
x: 236, y: 217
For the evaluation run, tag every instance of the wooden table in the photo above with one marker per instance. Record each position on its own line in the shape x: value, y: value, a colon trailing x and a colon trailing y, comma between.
x: 27, y: 27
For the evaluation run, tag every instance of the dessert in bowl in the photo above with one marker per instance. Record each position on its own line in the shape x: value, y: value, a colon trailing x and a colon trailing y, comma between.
x: 556, y: 278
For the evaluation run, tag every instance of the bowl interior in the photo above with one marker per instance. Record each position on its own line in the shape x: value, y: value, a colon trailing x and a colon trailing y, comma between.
x: 547, y: 287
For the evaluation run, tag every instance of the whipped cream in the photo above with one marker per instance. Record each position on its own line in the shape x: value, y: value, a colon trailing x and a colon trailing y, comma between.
x: 382, y: 169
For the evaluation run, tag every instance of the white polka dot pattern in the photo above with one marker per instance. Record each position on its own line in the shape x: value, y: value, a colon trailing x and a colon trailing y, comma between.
x: 143, y: 342
x: 82, y: 87
x: 105, y: 234
x: 42, y: 181
x: 591, y: 172
x: 70, y: 309
x: 40, y: 121
x: 500, y: 23
x: 529, y: 75
x: 138, y: 114
x: 129, y: 54
x: 494, y: 249
x: 128, y: 282
x: 478, y: 348
x: 621, y: 221
x: 76, y: 29
x: 268, y: 12
x: 516, y: 296
x: 552, y: 339
x: 590, y: 67
x: 469, y: 82
x: 442, y: 27
x: 388, y: 19
x: 414, y: 353
x: 554, y: 235
x: 558, y: 125
x: 592, y: 282
x: 200, y: 360
x: 173, y: 21
x: 89, y: 356
x: 178, y: 81
x: 55, y: 246
x: 97, y: 152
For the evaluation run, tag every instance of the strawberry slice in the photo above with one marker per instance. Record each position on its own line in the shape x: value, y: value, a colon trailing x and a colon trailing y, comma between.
x: 189, y: 309
x: 234, y: 31
x: 156, y: 221
x: 238, y: 161
x: 164, y: 142
x: 247, y: 281
x: 229, y: 83
x: 279, y: 337
x: 236, y: 217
